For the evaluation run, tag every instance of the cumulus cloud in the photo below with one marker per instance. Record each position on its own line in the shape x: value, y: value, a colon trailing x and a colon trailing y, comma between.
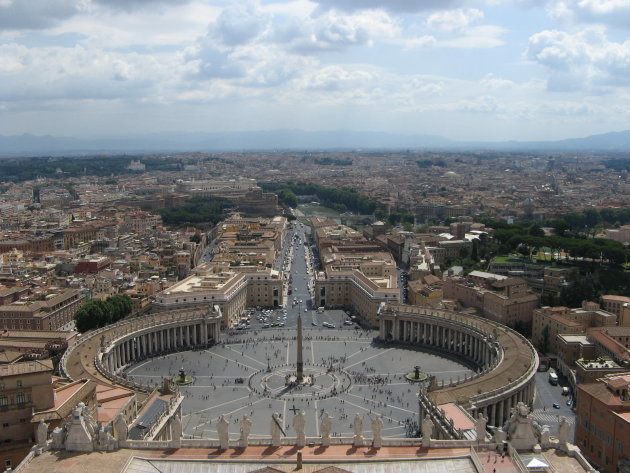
x: 74, y: 73
x: 131, y: 5
x: 336, y: 78
x: 586, y: 60
x: 483, y: 36
x: 394, y: 6
x: 333, y: 31
x: 239, y: 24
x: 35, y: 14
x: 610, y: 12
x: 451, y: 20
x: 492, y: 82
x: 215, y: 63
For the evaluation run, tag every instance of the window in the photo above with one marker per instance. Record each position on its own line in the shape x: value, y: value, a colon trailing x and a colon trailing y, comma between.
x: 5, y: 425
x: 23, y: 420
x: 19, y: 383
x: 20, y: 399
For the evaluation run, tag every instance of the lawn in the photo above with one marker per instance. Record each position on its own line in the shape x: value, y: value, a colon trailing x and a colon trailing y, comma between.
x: 311, y: 210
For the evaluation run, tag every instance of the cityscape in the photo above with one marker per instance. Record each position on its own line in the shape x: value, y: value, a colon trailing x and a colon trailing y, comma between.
x: 318, y: 236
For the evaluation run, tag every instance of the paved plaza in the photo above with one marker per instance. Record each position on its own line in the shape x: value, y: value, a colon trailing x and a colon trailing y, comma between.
x: 245, y: 376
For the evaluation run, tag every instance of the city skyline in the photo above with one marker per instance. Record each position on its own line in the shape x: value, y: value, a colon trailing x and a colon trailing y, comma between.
x: 485, y: 71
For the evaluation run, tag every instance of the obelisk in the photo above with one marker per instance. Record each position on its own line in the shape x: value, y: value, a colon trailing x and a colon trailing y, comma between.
x: 300, y: 362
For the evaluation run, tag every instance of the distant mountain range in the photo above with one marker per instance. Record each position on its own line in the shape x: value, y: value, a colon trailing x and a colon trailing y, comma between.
x: 31, y: 145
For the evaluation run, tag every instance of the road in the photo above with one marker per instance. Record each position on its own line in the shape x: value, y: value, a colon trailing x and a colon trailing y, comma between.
x: 544, y: 412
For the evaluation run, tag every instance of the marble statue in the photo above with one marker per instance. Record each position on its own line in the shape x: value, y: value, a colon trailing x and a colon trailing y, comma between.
x: 563, y: 433
x: 325, y: 429
x: 522, y: 433
x: 480, y: 427
x: 176, y: 431
x: 222, y: 430
x: 121, y: 431
x: 298, y: 425
x: 276, y: 422
x: 58, y: 437
x: 545, y: 438
x: 427, y: 431
x: 42, y: 433
x: 246, y: 428
x: 377, y: 431
x: 105, y: 441
x: 500, y: 435
x: 358, y: 430
x: 80, y: 432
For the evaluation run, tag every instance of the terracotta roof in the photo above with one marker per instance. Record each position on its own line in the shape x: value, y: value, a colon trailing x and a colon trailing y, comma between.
x: 616, y: 348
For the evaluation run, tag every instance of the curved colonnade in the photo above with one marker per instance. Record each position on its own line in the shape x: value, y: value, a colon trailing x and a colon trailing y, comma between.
x: 505, y: 360
x: 103, y: 353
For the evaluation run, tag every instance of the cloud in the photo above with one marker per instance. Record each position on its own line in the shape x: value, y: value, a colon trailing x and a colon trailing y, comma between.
x: 215, y: 63
x: 131, y: 5
x: 333, y: 31
x: 393, y: 6
x: 74, y: 74
x: 586, y: 60
x: 35, y: 14
x: 610, y: 12
x: 451, y: 20
x: 492, y: 82
x: 239, y: 24
x: 336, y: 78
x: 483, y: 36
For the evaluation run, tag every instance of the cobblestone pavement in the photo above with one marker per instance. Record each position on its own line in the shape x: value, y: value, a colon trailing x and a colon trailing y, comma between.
x: 230, y: 379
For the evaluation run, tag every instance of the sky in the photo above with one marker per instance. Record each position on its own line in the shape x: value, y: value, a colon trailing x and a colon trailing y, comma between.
x: 489, y: 70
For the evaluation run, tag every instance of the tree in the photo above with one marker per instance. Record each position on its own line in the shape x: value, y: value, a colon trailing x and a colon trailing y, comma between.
x: 196, y: 238
x: 474, y: 254
x: 543, y: 344
x: 536, y: 230
x: 99, y: 313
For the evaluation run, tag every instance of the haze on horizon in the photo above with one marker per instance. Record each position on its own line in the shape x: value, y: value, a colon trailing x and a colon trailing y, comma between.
x: 489, y: 70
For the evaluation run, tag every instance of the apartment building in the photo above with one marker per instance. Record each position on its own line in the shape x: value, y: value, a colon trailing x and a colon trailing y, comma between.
x: 618, y: 305
x: 549, y: 322
x: 509, y: 301
x: 24, y: 388
x: 49, y: 310
x: 602, y: 428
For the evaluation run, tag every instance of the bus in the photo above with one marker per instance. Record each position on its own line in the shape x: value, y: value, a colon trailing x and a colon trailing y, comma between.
x: 553, y: 378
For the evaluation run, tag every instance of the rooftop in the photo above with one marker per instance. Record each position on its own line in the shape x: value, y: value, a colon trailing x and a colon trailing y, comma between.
x: 26, y: 367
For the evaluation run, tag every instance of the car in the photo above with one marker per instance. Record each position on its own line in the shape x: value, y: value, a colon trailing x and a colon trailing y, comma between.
x: 266, y: 326
x: 347, y: 322
x: 556, y: 405
x: 314, y: 324
x: 569, y: 402
x: 331, y: 325
x: 305, y: 310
